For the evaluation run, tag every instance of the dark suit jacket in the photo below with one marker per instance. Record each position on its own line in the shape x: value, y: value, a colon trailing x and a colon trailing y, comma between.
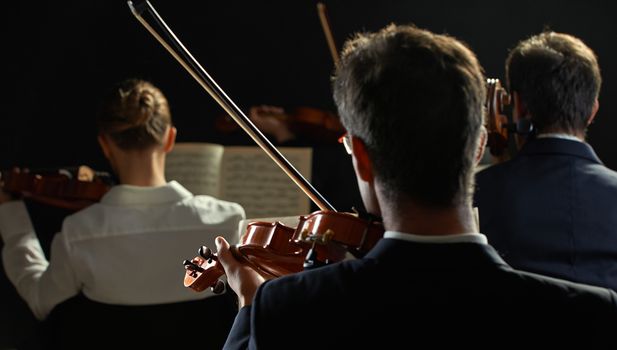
x: 405, y: 295
x: 553, y: 210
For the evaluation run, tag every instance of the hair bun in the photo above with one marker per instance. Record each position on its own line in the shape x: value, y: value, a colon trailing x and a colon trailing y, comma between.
x: 136, y: 113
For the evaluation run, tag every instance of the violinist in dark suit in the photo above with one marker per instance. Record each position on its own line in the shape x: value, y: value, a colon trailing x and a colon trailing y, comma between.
x: 411, y: 101
x: 552, y: 209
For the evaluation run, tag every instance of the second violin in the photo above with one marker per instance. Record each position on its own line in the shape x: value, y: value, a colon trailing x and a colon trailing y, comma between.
x: 311, y: 125
x: 72, y: 188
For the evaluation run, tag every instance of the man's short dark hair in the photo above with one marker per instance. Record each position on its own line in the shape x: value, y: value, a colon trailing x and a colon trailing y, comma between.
x: 415, y: 99
x: 558, y: 79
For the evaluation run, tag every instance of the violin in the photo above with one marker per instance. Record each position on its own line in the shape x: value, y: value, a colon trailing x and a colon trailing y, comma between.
x: 271, y: 248
x: 497, y: 123
x: 72, y: 188
x: 504, y: 132
x: 275, y: 250
x: 314, y: 125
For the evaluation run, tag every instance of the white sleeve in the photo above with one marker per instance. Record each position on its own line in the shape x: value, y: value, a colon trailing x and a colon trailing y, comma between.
x: 40, y: 283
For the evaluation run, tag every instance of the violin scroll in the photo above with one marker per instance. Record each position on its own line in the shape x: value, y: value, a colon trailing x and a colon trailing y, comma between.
x: 497, y: 125
x: 204, y: 271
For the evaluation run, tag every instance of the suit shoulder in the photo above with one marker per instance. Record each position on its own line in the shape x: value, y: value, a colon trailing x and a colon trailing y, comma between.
x: 578, y: 297
x: 319, y: 282
x: 602, y: 174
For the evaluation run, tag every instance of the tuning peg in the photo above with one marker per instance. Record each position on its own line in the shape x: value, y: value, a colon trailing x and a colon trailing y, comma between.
x: 189, y: 265
x: 206, y: 253
x: 218, y: 287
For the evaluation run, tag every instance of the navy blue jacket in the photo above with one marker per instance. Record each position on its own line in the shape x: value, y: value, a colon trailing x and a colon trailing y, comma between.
x: 404, y: 295
x: 552, y: 209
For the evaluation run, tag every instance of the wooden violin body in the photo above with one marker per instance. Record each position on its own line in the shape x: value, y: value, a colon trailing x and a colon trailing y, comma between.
x: 506, y: 134
x: 276, y: 250
x: 314, y: 125
x: 68, y: 188
x: 317, y: 125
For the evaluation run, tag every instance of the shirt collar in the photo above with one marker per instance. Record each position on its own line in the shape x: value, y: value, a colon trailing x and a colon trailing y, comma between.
x: 555, y: 135
x: 455, y: 238
x: 139, y: 195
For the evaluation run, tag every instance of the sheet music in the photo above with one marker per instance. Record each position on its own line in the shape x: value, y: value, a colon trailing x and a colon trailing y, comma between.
x: 251, y: 178
x: 196, y: 166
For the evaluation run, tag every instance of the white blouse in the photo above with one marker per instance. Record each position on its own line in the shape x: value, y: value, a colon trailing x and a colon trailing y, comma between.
x: 125, y: 250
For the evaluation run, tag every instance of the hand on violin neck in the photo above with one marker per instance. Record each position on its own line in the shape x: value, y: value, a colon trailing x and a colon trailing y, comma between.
x: 243, y: 279
x: 272, y: 120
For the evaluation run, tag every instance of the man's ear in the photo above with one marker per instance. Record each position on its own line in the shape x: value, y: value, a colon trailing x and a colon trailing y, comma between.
x: 104, y: 143
x: 594, y: 111
x: 362, y: 161
x: 481, y: 147
x: 170, y: 140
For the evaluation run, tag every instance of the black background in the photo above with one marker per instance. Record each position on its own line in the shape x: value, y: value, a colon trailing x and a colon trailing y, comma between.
x: 60, y: 56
